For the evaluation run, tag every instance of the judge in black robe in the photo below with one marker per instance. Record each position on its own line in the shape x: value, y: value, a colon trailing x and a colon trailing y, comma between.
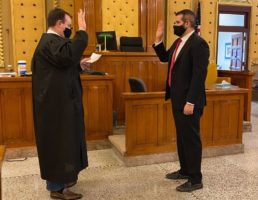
x: 57, y: 105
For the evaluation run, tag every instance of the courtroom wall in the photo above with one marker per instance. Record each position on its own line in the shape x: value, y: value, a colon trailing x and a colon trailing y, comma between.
x: 25, y: 21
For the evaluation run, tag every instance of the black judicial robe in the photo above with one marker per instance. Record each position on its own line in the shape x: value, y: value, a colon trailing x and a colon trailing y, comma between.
x: 57, y: 107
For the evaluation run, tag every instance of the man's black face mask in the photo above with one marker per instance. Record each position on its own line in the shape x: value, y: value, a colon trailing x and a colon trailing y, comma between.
x: 67, y: 33
x: 179, y: 30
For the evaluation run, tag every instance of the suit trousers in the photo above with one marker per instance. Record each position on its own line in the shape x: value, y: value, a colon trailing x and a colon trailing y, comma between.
x: 189, y: 145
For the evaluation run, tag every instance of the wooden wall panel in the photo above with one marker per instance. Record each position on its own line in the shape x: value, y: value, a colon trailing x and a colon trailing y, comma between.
x: 156, y: 11
x: 16, y: 116
x: 209, y: 12
x: 169, y: 133
x: 151, y: 12
x: 28, y: 24
x: 1, y: 36
x: 221, y: 124
x: 207, y: 124
x: 253, y: 51
x: 98, y: 116
x: 7, y: 32
x: 121, y: 16
x: 226, y: 128
x: 93, y: 20
x: 16, y: 119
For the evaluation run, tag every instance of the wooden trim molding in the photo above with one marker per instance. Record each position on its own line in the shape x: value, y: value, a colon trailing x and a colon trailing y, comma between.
x: 1, y: 36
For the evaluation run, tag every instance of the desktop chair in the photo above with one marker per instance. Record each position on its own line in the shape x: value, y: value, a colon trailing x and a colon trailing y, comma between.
x: 137, y: 85
x: 131, y: 44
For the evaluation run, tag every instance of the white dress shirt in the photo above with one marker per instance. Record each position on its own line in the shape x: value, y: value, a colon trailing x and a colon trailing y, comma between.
x: 53, y: 32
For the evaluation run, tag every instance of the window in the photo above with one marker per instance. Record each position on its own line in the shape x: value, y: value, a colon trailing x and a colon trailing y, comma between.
x: 233, y: 35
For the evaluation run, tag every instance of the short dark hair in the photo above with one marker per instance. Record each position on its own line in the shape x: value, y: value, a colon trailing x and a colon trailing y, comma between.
x: 187, y: 15
x: 55, y: 15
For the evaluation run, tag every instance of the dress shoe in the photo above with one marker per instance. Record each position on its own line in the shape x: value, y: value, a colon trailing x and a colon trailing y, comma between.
x: 68, y: 185
x: 189, y: 187
x: 176, y: 175
x: 65, y: 194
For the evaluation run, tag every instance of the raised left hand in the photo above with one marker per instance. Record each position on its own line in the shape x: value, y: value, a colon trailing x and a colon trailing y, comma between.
x: 188, y: 109
x: 81, y: 20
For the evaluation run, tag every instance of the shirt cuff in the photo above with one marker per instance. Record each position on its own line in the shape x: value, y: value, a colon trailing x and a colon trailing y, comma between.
x: 158, y: 43
x: 190, y: 103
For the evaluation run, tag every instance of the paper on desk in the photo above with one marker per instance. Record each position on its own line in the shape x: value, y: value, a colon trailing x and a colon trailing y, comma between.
x: 93, y: 58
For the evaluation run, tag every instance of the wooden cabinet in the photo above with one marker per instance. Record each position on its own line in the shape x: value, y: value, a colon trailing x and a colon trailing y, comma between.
x: 98, y: 109
x: 16, y: 119
x: 150, y: 126
x: 242, y: 79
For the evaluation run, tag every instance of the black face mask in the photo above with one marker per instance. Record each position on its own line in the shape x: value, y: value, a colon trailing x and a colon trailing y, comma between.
x: 67, y: 32
x: 179, y: 30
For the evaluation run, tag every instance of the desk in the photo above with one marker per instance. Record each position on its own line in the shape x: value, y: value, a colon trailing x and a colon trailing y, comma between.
x: 242, y: 79
x: 16, y: 119
x: 150, y: 127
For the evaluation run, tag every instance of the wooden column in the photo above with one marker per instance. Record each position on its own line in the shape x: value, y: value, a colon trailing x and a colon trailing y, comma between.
x: 93, y: 19
x: 152, y: 11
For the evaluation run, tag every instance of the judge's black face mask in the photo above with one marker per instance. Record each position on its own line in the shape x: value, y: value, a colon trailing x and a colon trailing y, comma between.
x: 179, y: 30
x: 67, y: 32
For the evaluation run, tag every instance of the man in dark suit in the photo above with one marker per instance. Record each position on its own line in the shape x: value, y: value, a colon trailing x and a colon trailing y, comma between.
x: 187, y: 69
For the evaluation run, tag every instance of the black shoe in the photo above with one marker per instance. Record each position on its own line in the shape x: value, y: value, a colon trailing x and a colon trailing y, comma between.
x: 189, y: 187
x: 176, y: 175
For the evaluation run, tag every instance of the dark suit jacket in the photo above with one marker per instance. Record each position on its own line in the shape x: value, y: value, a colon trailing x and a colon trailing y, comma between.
x: 189, y: 72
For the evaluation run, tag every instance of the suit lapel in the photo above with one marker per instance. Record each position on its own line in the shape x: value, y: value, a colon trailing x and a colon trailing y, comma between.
x: 185, y: 47
x: 172, y: 51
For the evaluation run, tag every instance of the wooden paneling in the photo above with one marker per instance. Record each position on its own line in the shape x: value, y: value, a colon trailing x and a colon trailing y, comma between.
x: 28, y: 24
x: 1, y: 35
x: 16, y: 114
x: 150, y: 128
x: 2, y: 153
x: 150, y: 13
x: 124, y: 65
x: 168, y: 135
x: 155, y: 13
x: 93, y: 17
x: 243, y: 80
x: 98, y: 96
x: 16, y: 119
x: 207, y: 124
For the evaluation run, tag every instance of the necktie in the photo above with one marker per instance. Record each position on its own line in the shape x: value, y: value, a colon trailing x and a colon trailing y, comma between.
x: 173, y: 62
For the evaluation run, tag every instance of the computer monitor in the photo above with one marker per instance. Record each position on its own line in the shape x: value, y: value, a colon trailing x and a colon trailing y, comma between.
x: 110, y: 36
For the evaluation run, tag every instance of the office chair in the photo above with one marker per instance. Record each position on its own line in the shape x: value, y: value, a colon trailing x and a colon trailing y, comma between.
x: 131, y: 44
x: 137, y: 85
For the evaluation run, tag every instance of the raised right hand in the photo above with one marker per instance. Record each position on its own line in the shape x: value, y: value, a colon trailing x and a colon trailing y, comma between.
x: 81, y: 20
x: 160, y: 31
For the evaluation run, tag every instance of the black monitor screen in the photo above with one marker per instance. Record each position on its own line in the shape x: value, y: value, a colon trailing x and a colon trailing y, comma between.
x: 110, y: 40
